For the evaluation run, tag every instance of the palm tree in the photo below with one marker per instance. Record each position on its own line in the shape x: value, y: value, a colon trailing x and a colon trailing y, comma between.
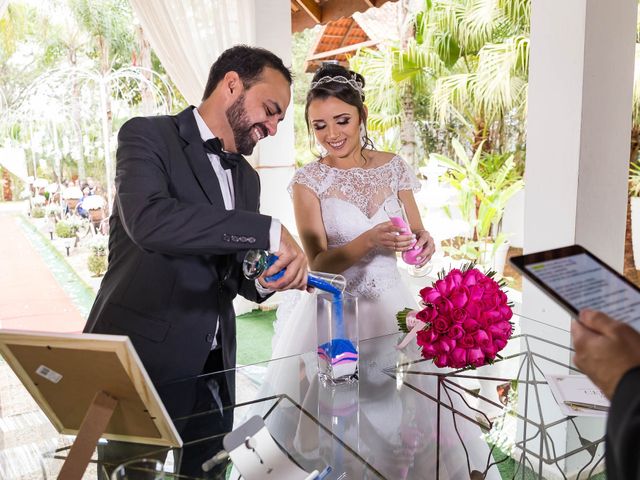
x: 395, y: 77
x: 629, y: 269
x: 488, y: 47
x: 109, y: 23
x: 468, y: 63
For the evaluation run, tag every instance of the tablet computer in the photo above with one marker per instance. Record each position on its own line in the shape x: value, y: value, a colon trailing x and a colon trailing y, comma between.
x: 576, y: 279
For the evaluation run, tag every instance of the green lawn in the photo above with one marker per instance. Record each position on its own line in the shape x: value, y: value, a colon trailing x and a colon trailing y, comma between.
x: 254, y: 332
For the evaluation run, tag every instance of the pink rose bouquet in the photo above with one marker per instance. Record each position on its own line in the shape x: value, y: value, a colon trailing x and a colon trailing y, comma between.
x: 465, y: 320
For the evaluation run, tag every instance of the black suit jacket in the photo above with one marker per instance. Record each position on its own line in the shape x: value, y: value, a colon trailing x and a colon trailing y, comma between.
x: 174, y: 251
x: 623, y: 429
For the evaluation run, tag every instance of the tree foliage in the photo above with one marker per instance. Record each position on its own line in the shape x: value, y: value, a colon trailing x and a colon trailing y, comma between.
x: 468, y: 68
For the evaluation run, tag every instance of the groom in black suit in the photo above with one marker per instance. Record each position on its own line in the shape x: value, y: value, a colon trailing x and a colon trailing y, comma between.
x: 186, y: 210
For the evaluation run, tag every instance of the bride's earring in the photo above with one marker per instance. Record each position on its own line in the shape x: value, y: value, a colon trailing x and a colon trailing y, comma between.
x: 363, y: 134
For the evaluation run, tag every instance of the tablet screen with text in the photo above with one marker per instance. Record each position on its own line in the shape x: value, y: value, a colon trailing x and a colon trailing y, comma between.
x: 583, y: 282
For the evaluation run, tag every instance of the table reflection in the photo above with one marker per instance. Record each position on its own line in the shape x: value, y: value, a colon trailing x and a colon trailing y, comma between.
x: 403, y: 419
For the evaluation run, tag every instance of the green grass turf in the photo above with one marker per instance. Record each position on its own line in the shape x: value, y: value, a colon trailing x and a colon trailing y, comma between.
x: 254, y: 332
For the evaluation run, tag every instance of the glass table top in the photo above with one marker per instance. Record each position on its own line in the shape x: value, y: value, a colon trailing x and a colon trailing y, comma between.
x: 403, y: 419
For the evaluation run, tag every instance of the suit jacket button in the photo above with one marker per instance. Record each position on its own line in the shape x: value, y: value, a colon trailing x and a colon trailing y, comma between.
x: 209, y: 338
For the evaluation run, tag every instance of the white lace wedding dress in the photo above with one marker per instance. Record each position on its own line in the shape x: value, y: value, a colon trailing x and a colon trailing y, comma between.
x: 351, y: 203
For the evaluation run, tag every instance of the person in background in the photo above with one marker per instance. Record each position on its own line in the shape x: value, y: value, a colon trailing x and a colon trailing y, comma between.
x: 86, y: 191
x: 608, y: 352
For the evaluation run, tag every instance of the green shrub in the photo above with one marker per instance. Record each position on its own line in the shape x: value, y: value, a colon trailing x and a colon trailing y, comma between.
x: 65, y: 230
x: 37, y: 212
x: 97, y: 264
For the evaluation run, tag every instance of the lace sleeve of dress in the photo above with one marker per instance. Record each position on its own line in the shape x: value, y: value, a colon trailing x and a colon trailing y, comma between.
x: 407, y: 179
x: 304, y: 176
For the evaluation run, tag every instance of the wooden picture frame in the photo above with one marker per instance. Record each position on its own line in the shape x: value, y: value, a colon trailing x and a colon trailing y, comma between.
x: 91, y: 386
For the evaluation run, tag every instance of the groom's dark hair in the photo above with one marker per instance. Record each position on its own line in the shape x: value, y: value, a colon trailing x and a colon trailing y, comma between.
x: 248, y: 62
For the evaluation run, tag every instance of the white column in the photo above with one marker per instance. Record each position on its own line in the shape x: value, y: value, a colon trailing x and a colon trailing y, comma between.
x: 275, y: 159
x: 579, y: 123
x: 274, y: 156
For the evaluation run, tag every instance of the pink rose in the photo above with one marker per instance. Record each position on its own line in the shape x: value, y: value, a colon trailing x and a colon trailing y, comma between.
x: 490, y: 351
x: 427, y: 314
x: 507, y: 329
x: 471, y: 277
x: 455, y: 332
x: 503, y: 297
x: 499, y: 343
x: 490, y: 301
x: 459, y: 297
x: 455, y: 276
x: 473, y: 310
x: 506, y: 312
x: 482, y: 338
x: 467, y: 341
x: 475, y: 293
x: 475, y: 357
x: 470, y: 325
x: 441, y: 360
x: 458, y: 315
x: 491, y: 316
x: 429, y: 294
x: 428, y: 351
x: 490, y: 285
x: 442, y: 287
x: 441, y: 324
x: 496, y: 330
x: 442, y: 346
x: 443, y: 305
x: 458, y: 358
x: 426, y: 337
x: 501, y: 329
x: 449, y: 341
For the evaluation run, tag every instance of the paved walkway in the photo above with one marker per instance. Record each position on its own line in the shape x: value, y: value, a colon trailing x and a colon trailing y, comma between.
x: 30, y: 296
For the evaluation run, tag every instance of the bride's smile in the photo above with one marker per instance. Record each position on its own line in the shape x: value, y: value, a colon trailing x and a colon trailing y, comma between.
x: 336, y: 126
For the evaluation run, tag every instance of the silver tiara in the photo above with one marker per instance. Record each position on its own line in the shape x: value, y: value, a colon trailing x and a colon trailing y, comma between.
x: 352, y: 82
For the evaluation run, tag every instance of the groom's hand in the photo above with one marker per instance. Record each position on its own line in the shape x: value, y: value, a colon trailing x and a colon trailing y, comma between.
x: 291, y: 257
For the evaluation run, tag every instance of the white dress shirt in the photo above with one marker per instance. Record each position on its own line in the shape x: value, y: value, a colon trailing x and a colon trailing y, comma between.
x: 226, y: 187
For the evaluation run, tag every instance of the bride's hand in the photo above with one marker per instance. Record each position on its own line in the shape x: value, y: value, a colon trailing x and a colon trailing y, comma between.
x: 386, y: 235
x: 424, y: 240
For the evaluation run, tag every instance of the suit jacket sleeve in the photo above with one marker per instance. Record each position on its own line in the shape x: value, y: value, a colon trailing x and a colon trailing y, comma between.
x: 247, y: 287
x: 156, y: 220
x: 623, y: 429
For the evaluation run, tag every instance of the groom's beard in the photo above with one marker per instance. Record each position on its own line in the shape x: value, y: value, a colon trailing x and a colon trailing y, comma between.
x: 241, y: 126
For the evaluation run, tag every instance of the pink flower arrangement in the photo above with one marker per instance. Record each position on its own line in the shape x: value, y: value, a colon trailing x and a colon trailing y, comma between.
x: 465, y: 320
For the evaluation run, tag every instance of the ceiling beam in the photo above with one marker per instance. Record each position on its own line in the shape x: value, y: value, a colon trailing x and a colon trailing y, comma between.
x: 343, y: 50
x: 331, y: 10
x: 312, y: 9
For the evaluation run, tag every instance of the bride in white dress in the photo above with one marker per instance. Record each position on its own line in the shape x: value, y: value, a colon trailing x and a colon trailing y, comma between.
x: 338, y: 203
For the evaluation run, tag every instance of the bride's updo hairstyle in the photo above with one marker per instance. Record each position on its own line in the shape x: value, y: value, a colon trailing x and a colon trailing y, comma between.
x: 333, y: 80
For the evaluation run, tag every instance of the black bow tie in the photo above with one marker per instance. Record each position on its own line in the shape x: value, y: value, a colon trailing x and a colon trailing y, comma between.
x: 227, y: 159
